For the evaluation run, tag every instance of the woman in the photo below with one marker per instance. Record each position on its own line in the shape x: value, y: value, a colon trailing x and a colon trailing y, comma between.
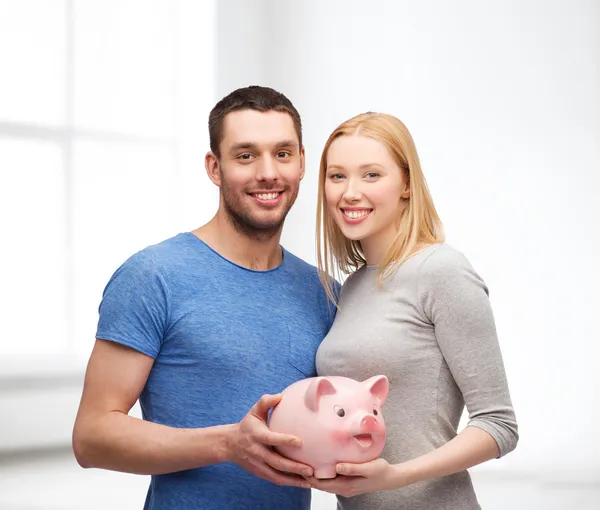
x: 413, y: 309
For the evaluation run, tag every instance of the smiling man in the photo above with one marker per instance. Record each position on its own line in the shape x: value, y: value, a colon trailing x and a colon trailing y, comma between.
x: 207, y: 327
x: 257, y: 160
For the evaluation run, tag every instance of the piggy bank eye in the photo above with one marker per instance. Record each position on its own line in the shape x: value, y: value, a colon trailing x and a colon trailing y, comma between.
x: 375, y: 412
x: 339, y: 411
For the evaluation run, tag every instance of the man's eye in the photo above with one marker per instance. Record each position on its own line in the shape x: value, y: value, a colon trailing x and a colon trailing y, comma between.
x: 283, y: 154
x: 244, y: 156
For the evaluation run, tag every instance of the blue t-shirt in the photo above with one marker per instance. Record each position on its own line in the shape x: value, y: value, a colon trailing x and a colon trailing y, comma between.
x: 222, y: 336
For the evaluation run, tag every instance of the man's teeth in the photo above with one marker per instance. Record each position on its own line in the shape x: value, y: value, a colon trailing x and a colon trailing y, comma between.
x: 266, y: 196
x: 356, y: 214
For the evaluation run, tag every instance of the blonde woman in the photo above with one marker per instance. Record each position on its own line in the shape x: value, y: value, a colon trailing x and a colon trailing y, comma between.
x: 412, y: 308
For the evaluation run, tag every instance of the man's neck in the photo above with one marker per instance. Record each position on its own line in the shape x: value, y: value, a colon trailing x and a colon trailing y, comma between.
x: 253, y: 253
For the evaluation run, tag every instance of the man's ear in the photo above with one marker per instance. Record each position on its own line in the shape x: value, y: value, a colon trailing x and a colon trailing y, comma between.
x: 302, y: 162
x: 211, y: 163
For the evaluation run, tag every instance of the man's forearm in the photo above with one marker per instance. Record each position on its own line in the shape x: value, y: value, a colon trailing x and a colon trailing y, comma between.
x: 120, y: 442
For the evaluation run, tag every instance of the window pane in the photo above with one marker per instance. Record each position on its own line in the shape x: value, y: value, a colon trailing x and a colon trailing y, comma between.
x: 32, y: 59
x: 123, y: 203
x: 124, y: 65
x: 33, y: 222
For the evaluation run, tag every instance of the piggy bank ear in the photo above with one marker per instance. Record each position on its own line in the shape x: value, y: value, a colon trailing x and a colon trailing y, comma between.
x: 378, y: 386
x: 319, y: 387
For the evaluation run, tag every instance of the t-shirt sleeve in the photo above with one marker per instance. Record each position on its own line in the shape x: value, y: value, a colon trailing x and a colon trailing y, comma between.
x: 135, y: 306
x: 456, y: 301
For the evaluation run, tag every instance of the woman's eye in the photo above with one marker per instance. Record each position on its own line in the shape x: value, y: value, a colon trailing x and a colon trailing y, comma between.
x: 336, y: 177
x: 372, y: 175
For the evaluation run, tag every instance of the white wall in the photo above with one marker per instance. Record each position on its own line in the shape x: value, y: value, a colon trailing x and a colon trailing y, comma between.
x: 123, y: 198
x: 242, y: 48
x: 502, y: 98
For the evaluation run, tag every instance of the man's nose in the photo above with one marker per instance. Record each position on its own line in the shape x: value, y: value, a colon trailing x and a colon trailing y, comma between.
x: 267, y: 170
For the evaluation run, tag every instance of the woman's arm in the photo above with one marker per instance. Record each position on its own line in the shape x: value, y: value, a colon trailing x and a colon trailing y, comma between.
x: 471, y: 447
x: 454, y: 298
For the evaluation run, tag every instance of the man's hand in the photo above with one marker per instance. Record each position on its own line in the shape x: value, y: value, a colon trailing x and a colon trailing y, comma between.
x: 250, y: 446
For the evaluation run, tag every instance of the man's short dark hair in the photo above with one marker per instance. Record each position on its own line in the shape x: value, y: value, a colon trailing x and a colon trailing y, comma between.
x: 254, y: 97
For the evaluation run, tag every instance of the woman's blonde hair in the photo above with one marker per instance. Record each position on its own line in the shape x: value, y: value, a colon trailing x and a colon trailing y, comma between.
x: 418, y: 221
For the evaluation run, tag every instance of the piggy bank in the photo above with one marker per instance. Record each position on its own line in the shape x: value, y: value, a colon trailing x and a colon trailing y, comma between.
x: 337, y: 418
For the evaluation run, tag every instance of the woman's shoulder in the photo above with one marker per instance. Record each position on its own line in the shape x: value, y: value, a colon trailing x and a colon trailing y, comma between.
x: 447, y: 269
x: 429, y: 265
x: 441, y: 258
x: 355, y: 276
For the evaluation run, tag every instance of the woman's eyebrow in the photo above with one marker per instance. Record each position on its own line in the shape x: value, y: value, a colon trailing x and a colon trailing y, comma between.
x: 361, y: 167
x: 369, y: 165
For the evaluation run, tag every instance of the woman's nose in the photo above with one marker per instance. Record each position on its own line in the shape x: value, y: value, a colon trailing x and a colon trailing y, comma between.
x: 352, y: 192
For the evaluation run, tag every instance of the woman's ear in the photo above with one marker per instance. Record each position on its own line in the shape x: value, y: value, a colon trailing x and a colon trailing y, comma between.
x: 406, y: 193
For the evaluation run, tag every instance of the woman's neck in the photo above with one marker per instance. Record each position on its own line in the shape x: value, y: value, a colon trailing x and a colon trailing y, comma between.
x: 376, y: 247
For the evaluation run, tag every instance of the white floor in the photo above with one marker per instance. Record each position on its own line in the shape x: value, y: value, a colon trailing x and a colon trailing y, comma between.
x: 56, y: 482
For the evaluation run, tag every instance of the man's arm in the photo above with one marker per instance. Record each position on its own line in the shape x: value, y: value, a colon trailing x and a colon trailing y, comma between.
x: 105, y: 436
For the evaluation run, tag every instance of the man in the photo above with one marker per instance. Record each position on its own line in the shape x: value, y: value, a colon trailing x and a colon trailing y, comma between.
x: 204, y: 323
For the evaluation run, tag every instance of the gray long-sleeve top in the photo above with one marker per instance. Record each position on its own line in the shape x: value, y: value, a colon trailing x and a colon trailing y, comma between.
x: 431, y: 331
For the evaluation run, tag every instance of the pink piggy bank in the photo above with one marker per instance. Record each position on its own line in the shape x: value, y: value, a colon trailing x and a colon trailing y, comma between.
x: 338, y: 419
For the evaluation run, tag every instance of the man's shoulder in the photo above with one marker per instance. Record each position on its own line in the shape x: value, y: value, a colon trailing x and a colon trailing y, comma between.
x: 160, y: 255
x: 301, y: 267
x: 309, y: 273
x: 297, y: 261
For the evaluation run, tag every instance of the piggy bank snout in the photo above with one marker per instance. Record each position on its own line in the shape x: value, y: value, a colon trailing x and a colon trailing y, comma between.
x: 370, y: 424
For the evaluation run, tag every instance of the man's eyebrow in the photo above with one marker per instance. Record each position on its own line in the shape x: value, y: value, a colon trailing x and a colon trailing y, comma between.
x: 286, y: 144
x: 242, y: 145
x: 283, y: 144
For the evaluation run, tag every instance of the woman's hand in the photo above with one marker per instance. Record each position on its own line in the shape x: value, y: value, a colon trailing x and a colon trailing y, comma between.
x: 362, y: 478
x: 469, y: 448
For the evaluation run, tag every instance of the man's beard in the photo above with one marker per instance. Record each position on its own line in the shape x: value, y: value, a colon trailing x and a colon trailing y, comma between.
x: 242, y: 219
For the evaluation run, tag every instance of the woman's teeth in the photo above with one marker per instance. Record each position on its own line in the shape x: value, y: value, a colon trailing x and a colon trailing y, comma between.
x: 356, y: 214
